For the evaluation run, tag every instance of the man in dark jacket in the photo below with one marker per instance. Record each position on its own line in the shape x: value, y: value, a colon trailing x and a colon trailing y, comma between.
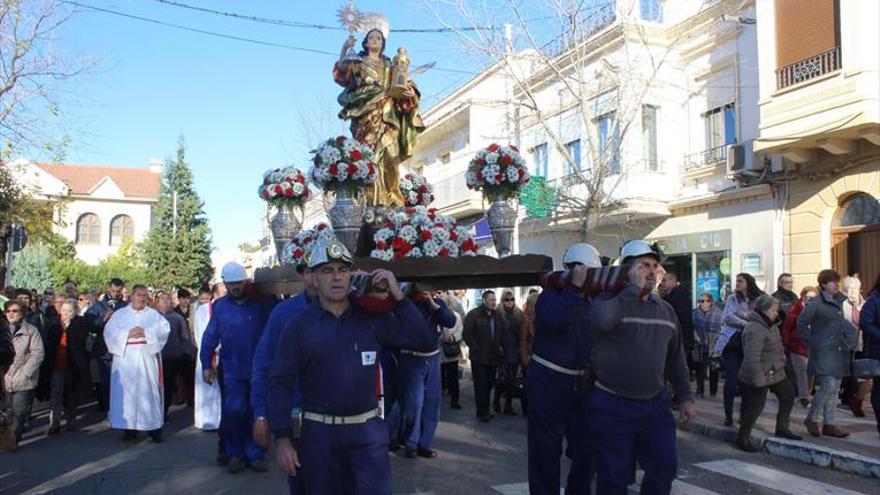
x: 178, y: 349
x: 484, y: 331
x: 98, y: 315
x: 786, y: 297
x: 679, y: 297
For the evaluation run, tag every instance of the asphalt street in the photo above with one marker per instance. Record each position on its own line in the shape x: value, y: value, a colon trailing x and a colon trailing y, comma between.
x: 474, y: 458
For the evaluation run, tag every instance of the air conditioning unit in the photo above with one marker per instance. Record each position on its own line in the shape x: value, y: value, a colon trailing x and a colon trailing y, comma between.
x: 742, y: 161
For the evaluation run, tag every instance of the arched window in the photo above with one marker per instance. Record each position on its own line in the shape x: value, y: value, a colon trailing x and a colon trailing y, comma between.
x: 121, y: 229
x: 88, y: 229
x: 859, y: 209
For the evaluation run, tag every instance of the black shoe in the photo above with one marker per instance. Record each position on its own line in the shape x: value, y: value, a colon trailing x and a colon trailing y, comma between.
x: 728, y: 421
x: 54, y: 430
x: 394, y: 447
x: 129, y: 436
x: 426, y: 453
x: 747, y: 446
x: 508, y: 411
x: 787, y: 434
x: 409, y: 453
x: 485, y: 418
x: 235, y: 465
x: 497, y: 408
x: 156, y: 435
x: 258, y: 466
x: 455, y: 405
x: 222, y: 459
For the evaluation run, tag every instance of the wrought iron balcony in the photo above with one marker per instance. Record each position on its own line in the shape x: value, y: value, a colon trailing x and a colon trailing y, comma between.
x: 808, y: 68
x: 705, y: 158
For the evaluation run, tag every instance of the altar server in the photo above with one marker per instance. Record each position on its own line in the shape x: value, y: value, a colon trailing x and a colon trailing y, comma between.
x: 135, y: 336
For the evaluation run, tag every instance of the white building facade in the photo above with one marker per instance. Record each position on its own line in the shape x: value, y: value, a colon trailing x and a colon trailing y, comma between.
x: 100, y: 208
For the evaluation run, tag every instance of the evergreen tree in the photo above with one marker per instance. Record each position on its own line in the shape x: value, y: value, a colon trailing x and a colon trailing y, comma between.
x: 31, y: 268
x: 177, y: 249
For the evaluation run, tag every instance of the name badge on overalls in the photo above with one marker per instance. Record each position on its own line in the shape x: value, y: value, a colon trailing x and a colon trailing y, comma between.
x: 368, y: 358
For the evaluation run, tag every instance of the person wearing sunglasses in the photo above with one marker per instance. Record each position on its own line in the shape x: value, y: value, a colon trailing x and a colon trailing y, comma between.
x: 707, y: 326
x: 20, y: 381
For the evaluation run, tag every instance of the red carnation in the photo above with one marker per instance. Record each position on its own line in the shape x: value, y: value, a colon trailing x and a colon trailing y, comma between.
x: 479, y: 175
x: 355, y: 155
x: 453, y: 236
x: 372, y: 168
x: 381, y: 245
x: 288, y: 193
x: 351, y: 169
x: 298, y: 253
x: 506, y: 160
x: 479, y: 162
x: 493, y: 147
x: 333, y: 169
x: 432, y: 199
x: 423, y: 188
x: 427, y: 235
x: 468, y: 245
x: 443, y: 252
x: 408, y: 176
x: 499, y: 178
x: 300, y: 178
x: 278, y: 189
x: 307, y: 240
x: 322, y: 226
x: 264, y: 194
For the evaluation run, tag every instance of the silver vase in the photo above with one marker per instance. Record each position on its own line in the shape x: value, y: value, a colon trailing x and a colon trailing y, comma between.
x: 285, y: 224
x: 346, y: 217
x: 502, y: 218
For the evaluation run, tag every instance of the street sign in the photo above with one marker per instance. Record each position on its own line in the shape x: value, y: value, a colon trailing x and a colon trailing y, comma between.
x: 18, y: 238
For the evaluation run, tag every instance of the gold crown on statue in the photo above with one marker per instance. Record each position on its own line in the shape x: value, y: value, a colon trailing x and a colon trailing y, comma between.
x: 362, y: 22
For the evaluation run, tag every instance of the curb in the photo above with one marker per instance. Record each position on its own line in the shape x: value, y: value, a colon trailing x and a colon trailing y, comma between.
x: 798, y: 450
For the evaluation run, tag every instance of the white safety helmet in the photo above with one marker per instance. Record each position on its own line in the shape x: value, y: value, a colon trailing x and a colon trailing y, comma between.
x: 582, y: 253
x: 233, y: 272
x: 327, y: 251
x: 638, y: 247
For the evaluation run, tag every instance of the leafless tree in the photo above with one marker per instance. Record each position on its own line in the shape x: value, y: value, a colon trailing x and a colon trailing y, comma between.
x: 35, y: 74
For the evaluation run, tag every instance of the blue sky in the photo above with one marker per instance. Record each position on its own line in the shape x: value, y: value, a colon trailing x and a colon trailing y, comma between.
x: 238, y: 105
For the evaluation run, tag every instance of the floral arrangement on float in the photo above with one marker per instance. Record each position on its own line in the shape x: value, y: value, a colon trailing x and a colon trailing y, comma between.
x: 284, y: 187
x: 302, y: 242
x: 342, y: 163
x: 416, y: 190
x: 345, y: 166
x: 419, y: 232
x: 500, y: 173
x: 287, y: 190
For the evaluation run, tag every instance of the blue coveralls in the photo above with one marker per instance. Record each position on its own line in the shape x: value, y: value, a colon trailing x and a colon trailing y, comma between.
x: 237, y: 327
x: 420, y: 383
x: 558, y: 402
x: 283, y: 313
x: 335, y: 360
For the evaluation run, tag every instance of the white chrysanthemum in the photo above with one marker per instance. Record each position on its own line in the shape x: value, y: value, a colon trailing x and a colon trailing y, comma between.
x: 408, y: 233
x: 414, y: 253
x: 512, y: 174
x: 382, y: 254
x: 451, y: 247
x: 383, y: 234
x: 491, y: 158
x: 406, y: 184
x: 431, y: 248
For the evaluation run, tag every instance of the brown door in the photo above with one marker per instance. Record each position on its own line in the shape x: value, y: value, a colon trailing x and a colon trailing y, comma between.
x: 864, y: 256
x: 840, y: 252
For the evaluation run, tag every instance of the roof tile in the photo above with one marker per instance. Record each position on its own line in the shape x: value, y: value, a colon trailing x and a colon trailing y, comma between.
x: 82, y: 179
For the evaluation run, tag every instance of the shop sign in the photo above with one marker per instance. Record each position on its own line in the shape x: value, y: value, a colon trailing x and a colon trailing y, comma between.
x: 699, y: 242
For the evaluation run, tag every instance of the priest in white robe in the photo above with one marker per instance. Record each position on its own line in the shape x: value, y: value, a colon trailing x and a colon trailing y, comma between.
x: 135, y: 336
x: 207, y: 397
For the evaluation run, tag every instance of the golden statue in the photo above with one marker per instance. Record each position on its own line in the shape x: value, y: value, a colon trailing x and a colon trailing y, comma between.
x: 382, y: 103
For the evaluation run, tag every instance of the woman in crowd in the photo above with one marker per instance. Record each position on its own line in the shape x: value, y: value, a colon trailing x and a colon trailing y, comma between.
x: 508, y: 371
x: 763, y: 370
x: 20, y: 381
x: 854, y: 391
x: 831, y: 338
x: 729, y: 345
x: 85, y: 301
x: 869, y: 322
x: 70, y: 381
x: 707, y: 326
x: 796, y: 349
x: 451, y: 354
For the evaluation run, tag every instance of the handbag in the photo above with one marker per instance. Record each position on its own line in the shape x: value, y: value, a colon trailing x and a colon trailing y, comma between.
x: 452, y: 349
x: 865, y: 368
x: 735, y: 344
x: 518, y: 387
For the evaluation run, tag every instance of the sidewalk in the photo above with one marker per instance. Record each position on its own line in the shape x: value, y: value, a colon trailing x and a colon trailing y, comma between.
x: 859, y: 453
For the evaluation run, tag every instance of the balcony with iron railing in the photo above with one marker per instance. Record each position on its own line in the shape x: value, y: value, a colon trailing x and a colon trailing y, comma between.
x: 452, y: 197
x: 809, y: 68
x: 705, y: 159
x: 597, y: 20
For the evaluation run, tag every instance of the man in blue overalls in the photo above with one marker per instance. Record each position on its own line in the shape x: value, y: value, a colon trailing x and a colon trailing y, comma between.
x: 331, y: 351
x: 283, y: 314
x: 236, y: 325
x: 637, y: 348
x: 420, y: 382
x: 556, y: 381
